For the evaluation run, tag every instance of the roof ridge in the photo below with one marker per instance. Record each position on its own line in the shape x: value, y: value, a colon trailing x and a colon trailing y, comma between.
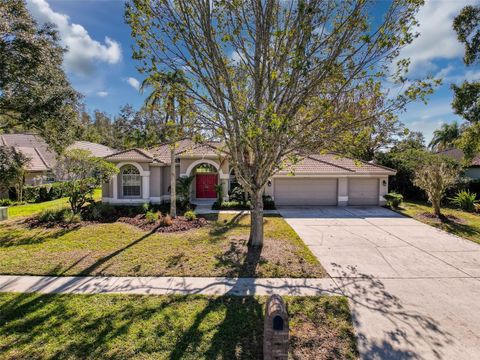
x: 138, y: 150
x: 363, y: 161
x: 329, y: 163
x: 42, y: 158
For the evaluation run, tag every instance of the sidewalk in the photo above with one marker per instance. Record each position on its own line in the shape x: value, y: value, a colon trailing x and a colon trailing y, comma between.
x: 167, y: 285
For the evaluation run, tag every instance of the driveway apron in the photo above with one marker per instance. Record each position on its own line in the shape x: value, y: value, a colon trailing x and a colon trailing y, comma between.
x: 414, y: 290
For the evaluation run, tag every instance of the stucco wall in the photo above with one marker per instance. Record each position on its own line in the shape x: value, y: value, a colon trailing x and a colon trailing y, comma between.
x: 383, y: 189
x: 166, y: 178
x: 155, y: 181
x: 185, y: 163
x: 34, y: 178
x: 106, y: 189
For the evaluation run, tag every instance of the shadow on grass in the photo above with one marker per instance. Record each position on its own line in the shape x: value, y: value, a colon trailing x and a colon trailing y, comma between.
x: 18, y: 237
x: 53, y: 326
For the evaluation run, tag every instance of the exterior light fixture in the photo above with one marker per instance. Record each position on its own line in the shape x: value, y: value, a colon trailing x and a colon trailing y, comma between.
x: 384, y: 182
x: 269, y: 183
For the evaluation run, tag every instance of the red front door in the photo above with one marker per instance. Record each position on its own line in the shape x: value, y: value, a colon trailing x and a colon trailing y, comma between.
x: 206, y: 186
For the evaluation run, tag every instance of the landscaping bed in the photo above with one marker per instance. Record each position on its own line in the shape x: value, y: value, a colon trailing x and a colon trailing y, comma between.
x: 458, y: 222
x: 217, y: 248
x: 104, y: 326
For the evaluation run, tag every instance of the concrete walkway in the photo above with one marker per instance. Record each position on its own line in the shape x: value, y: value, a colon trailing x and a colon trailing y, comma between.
x: 414, y: 290
x: 166, y: 285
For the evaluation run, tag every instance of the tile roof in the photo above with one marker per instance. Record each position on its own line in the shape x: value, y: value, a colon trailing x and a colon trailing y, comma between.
x: 97, y: 150
x: 185, y: 148
x: 312, y: 164
x: 457, y: 154
x: 136, y: 154
x: 32, y: 141
x: 334, y: 164
x: 36, y: 162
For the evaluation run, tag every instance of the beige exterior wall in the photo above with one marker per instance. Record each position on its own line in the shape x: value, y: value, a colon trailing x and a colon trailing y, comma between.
x: 383, y: 189
x: 106, y: 189
x: 155, y: 181
x: 165, y: 183
x: 34, y: 178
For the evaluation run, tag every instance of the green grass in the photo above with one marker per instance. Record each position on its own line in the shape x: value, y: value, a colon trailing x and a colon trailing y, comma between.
x: 468, y: 228
x: 103, y: 326
x: 118, y: 249
x: 32, y: 209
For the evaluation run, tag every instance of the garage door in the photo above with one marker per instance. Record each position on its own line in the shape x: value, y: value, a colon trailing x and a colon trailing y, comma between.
x: 363, y: 192
x: 305, y: 191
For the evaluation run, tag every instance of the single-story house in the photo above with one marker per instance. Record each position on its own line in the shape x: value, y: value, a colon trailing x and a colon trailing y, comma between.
x: 327, y: 179
x: 473, y: 170
x: 42, y: 159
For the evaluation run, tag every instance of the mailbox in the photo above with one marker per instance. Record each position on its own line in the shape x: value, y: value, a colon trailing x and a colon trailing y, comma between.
x: 3, y: 213
x: 276, y: 330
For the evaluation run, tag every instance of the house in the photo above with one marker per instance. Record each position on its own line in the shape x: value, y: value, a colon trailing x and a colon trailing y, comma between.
x: 473, y: 170
x: 42, y: 159
x: 317, y: 180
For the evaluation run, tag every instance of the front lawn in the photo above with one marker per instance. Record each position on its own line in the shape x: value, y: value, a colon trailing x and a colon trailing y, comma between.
x: 119, y: 249
x: 467, y: 226
x: 31, y: 209
x: 57, y: 326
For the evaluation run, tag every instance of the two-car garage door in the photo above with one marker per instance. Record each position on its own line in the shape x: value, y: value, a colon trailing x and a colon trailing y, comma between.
x: 305, y: 191
x: 324, y: 191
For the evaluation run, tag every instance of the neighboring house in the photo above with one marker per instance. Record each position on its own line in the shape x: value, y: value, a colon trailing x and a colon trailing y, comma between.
x: 40, y: 168
x: 316, y: 180
x: 473, y: 170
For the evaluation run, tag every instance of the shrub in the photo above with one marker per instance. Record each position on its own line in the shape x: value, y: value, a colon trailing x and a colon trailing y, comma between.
x: 45, y: 192
x: 268, y: 203
x: 146, y: 207
x: 98, y: 212
x: 465, y: 200
x: 477, y: 207
x: 166, y: 220
x: 151, y: 217
x: 230, y: 205
x: 71, y: 218
x: 219, y: 191
x: 6, y: 202
x: 393, y: 199
x: 190, y: 215
x: 52, y: 215
x: 238, y: 195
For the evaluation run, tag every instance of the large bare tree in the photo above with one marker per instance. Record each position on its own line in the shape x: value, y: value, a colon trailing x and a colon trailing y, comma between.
x: 275, y: 79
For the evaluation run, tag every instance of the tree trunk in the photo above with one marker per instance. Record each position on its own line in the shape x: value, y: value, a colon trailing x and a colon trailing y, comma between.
x: 256, y: 227
x: 173, y: 183
x: 436, y: 208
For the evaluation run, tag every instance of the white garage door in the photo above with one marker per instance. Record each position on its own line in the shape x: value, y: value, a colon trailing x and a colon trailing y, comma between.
x: 363, y: 192
x: 305, y: 191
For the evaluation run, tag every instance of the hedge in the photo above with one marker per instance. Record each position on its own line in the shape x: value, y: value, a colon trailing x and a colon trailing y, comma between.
x: 41, y: 193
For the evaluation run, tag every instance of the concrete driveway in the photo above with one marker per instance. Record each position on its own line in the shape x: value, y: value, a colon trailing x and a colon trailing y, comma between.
x: 414, y: 290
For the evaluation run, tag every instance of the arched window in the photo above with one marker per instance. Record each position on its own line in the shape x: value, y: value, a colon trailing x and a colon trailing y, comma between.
x: 131, y: 181
x: 205, y: 168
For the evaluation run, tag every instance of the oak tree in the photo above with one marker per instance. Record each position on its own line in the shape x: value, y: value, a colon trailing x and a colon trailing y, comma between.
x: 275, y: 79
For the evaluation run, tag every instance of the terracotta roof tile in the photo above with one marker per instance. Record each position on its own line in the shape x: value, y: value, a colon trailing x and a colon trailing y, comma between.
x: 97, y: 150
x: 131, y: 154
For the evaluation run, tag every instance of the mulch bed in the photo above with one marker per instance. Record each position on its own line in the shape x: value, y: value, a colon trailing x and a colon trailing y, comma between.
x: 443, y: 219
x: 180, y: 223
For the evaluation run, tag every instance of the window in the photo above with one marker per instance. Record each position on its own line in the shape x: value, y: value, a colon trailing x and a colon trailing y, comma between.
x: 131, y: 181
x: 205, y: 168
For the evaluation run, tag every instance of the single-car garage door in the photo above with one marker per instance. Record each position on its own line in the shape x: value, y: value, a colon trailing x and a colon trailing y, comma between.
x: 363, y: 192
x: 305, y: 191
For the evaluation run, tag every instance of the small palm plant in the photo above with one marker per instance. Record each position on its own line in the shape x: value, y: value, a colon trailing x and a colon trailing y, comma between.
x: 465, y: 200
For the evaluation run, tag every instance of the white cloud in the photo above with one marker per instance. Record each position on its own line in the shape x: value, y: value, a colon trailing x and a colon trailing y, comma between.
x: 134, y: 83
x: 83, y: 51
x: 437, y: 38
x: 102, y: 93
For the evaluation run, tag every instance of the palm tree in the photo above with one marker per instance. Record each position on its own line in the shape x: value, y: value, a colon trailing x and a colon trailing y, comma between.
x: 169, y: 92
x: 445, y: 137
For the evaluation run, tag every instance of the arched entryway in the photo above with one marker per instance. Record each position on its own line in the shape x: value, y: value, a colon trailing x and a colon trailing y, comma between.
x: 206, y: 179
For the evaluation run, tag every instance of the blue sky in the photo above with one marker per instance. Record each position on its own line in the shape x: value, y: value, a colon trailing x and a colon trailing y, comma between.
x: 99, y: 64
